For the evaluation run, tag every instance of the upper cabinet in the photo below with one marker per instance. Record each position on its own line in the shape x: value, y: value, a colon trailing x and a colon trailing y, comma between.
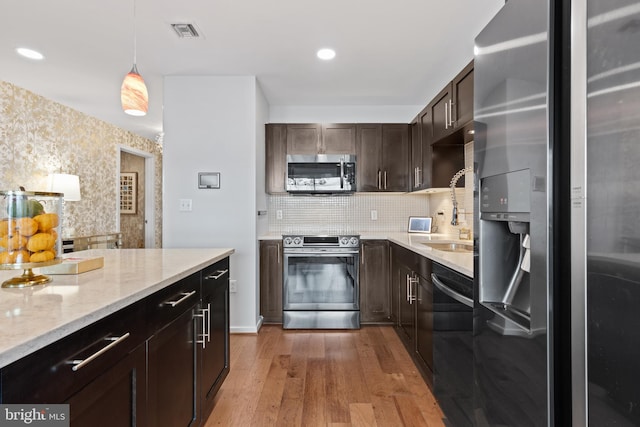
x: 382, y: 157
x: 421, y: 153
x: 275, y: 158
x: 452, y: 108
x: 321, y: 139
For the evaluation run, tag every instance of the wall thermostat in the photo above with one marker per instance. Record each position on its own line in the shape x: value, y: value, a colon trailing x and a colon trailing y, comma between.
x: 209, y: 180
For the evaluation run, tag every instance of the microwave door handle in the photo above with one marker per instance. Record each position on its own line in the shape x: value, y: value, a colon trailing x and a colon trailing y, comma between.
x: 341, y: 174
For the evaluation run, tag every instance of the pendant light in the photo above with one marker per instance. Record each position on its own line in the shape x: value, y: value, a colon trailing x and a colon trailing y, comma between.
x: 133, y: 93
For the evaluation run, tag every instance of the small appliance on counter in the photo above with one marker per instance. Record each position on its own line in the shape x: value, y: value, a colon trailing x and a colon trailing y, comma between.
x: 419, y: 224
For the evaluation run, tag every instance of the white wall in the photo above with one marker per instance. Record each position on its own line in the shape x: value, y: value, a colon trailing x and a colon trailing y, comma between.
x: 210, y: 126
x: 343, y: 113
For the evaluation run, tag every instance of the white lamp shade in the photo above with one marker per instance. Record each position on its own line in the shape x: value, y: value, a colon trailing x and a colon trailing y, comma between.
x: 67, y: 184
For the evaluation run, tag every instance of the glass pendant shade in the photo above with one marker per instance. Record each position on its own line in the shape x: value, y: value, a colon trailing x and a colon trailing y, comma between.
x: 133, y: 94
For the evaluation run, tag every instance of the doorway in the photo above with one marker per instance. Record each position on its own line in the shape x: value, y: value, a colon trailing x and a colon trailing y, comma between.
x: 136, y: 218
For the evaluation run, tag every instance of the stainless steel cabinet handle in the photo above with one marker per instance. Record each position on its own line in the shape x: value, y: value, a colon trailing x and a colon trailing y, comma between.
x: 206, y: 325
x: 408, y: 292
x: 419, y: 170
x: 412, y: 289
x: 385, y: 180
x: 450, y: 292
x: 446, y: 118
x: 379, y: 179
x: 185, y: 296
x: 77, y: 364
x: 362, y: 254
x: 216, y: 276
x: 278, y: 256
x: 415, y: 177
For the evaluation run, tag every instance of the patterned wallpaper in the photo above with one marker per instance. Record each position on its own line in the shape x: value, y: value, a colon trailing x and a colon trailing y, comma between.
x: 39, y: 136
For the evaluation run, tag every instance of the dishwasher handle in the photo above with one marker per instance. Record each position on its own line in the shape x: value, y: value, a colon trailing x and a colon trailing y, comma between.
x: 450, y: 292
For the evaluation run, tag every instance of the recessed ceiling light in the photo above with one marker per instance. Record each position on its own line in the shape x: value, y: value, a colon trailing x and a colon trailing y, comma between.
x: 326, y: 54
x: 29, y: 53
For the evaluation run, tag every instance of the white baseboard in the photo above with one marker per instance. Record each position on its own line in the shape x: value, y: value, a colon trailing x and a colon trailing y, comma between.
x: 246, y: 329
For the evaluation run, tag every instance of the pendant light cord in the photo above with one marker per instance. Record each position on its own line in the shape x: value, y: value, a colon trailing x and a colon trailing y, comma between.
x: 135, y: 35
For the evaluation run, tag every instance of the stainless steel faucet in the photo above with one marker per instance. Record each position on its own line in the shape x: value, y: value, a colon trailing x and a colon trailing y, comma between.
x: 452, y: 185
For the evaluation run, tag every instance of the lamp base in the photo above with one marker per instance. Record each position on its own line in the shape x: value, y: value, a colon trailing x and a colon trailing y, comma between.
x: 26, y: 279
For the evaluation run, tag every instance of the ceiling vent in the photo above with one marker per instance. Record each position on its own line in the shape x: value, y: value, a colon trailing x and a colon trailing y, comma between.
x: 186, y: 31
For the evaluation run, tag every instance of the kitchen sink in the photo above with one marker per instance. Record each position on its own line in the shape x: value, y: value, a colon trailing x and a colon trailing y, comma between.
x: 450, y: 247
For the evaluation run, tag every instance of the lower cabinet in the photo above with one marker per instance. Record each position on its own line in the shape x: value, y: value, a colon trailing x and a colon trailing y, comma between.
x: 157, y: 362
x: 271, y: 281
x: 214, y: 333
x: 375, y: 299
x: 414, y: 320
x: 117, y: 397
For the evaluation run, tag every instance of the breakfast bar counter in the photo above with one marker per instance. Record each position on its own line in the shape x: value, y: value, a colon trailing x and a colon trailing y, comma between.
x: 37, y: 316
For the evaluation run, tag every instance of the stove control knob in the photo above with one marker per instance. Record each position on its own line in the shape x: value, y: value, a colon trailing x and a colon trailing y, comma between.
x: 354, y: 241
x: 297, y: 241
x: 287, y: 241
x: 344, y: 241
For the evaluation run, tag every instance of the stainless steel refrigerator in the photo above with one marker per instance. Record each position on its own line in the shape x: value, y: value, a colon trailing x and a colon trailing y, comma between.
x: 557, y: 266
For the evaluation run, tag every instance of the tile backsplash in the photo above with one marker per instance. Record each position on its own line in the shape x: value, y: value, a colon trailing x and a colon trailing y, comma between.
x: 345, y: 214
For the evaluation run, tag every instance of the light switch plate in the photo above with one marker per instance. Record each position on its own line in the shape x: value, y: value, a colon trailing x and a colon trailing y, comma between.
x: 186, y: 205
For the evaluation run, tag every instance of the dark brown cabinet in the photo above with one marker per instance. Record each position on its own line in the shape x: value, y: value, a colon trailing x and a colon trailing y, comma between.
x: 172, y: 355
x: 414, y: 324
x: 275, y: 158
x: 140, y: 366
x: 317, y: 138
x: 117, y: 397
x: 421, y: 151
x: 383, y: 157
x: 213, y: 335
x: 271, y: 280
x: 375, y: 300
x: 452, y: 108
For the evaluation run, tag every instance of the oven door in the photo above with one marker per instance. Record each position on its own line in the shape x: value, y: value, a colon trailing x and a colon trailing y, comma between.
x: 321, y: 289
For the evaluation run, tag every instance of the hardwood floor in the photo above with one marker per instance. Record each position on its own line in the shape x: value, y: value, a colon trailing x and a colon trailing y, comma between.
x: 363, y: 377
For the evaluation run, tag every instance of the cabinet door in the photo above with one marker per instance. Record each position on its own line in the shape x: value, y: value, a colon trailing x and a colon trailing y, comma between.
x: 427, y: 138
x: 407, y: 312
x: 463, y: 96
x: 368, y: 156
x: 303, y: 138
x: 374, y: 281
x: 338, y: 139
x: 172, y: 373
x: 424, y: 321
x: 115, y: 398
x: 441, y: 113
x: 275, y: 158
x: 271, y: 280
x: 395, y: 157
x: 416, y: 154
x: 213, y: 333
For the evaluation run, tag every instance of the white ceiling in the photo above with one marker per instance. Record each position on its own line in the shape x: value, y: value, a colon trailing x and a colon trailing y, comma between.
x: 389, y: 52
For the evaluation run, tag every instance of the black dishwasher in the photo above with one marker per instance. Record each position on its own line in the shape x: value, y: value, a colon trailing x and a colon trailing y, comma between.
x: 452, y: 344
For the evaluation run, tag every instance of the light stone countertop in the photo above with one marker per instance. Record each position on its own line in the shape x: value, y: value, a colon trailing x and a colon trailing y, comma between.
x: 460, y: 262
x: 35, y: 317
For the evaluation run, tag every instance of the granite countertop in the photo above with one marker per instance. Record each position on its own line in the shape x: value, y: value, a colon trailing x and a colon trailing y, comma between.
x: 460, y: 262
x: 35, y: 317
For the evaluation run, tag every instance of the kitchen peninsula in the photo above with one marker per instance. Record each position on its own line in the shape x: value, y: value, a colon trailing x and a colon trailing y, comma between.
x: 149, y: 324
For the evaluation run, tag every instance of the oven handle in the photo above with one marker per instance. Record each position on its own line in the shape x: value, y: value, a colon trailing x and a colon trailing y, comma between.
x: 450, y: 292
x: 321, y: 254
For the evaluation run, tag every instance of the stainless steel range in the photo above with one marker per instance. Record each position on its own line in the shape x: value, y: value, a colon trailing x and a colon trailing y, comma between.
x: 321, y: 289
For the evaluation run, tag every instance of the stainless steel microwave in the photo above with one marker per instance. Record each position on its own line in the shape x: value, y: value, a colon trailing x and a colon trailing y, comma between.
x: 321, y: 174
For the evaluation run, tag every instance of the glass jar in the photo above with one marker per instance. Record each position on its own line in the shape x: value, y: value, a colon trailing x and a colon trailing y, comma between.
x: 30, y: 229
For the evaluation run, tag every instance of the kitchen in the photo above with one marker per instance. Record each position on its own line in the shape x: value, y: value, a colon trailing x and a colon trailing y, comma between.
x: 202, y: 113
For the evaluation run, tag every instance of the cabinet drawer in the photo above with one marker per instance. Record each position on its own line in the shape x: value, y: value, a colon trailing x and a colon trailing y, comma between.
x: 168, y: 304
x: 215, y: 276
x: 54, y: 373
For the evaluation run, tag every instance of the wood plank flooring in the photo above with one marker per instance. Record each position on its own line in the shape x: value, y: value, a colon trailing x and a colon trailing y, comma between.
x: 363, y: 377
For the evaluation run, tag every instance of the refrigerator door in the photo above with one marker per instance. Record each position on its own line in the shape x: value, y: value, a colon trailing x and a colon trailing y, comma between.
x: 612, y: 212
x: 510, y: 339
